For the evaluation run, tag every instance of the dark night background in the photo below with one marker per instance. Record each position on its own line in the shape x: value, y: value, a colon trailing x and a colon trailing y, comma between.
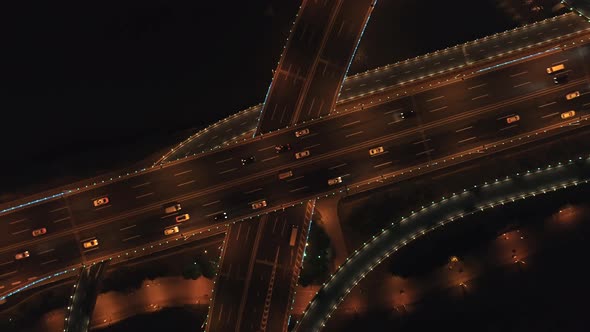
x: 90, y: 86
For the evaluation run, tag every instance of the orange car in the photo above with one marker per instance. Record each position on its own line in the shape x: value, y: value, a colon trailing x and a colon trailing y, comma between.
x: 101, y: 201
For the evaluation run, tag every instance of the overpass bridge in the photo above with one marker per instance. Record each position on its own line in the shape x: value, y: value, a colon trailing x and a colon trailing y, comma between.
x: 72, y: 205
x: 427, y: 70
x: 572, y: 175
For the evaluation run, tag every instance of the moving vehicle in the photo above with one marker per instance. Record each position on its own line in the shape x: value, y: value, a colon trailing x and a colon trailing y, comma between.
x: 182, y: 217
x: 282, y: 148
x: 220, y: 216
x: 335, y: 181
x: 572, y: 95
x: 171, y: 230
x: 248, y: 160
x: 558, y: 79
x: 302, y: 132
x: 91, y: 243
x: 101, y: 201
x: 293, y: 238
x: 22, y: 255
x: 376, y: 151
x: 286, y: 174
x: 568, y: 114
x: 258, y: 205
x: 302, y: 154
x: 555, y: 69
x: 39, y: 231
x: 173, y: 207
x: 513, y: 118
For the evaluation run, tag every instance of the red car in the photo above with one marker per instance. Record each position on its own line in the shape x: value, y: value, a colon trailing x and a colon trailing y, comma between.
x: 39, y: 231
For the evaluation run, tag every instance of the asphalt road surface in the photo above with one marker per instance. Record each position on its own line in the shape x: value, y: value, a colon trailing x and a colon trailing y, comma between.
x: 411, y: 130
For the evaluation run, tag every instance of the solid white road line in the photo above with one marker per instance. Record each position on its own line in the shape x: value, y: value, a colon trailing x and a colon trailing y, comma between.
x: 424, y: 152
x: 144, y: 195
x: 214, y: 213
x: 131, y: 238
x: 548, y: 104
x: 354, y: 134
x: 479, y: 97
x: 293, y: 179
x: 223, y: 161
x: 467, y: 139
x: 62, y: 219
x: 309, y: 147
x: 549, y: 115
x: 8, y: 273
x: 435, y: 98
x: 177, y: 174
x: 252, y: 191
x: 128, y: 227
x: 300, y: 188
x: 45, y: 251
x: 228, y: 170
x: 558, y: 62
x: 211, y: 203
x: 518, y: 74
x: 422, y: 141
x: 522, y: 84
x: 185, y: 183
x: 350, y: 124
x: 395, y: 110
x: 266, y: 148
x: 22, y: 231
x: 95, y: 198
x: 387, y: 163
x: 438, y: 109
x: 48, y: 262
x: 476, y: 86
x: 508, y: 127
x: 102, y: 207
x: 271, y: 158
x: 463, y: 129
x: 334, y: 167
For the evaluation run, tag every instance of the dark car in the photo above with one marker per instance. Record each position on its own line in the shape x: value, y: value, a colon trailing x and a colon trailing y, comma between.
x: 220, y: 216
x: 282, y: 148
x: 248, y: 160
x: 558, y: 79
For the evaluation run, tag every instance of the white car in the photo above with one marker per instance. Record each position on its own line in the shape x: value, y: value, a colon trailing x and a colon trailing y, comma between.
x: 572, y: 95
x: 302, y: 154
x: 171, y: 230
x: 512, y: 119
x: 568, y: 114
x: 376, y: 151
x: 101, y: 201
x: 258, y: 205
x: 90, y: 244
x: 182, y: 217
x: 22, y: 255
x: 174, y: 207
x: 302, y: 132
x: 335, y: 181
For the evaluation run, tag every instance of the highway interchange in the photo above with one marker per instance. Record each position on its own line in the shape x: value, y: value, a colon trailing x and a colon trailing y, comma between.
x: 434, y: 123
x: 357, y: 88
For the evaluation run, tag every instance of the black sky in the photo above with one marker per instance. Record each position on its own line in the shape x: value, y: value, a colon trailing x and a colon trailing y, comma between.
x: 85, y: 83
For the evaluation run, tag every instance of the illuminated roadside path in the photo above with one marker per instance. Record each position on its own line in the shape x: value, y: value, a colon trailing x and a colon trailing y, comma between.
x: 490, y: 194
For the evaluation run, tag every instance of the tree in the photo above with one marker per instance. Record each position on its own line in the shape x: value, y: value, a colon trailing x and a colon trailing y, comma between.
x: 192, y: 271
